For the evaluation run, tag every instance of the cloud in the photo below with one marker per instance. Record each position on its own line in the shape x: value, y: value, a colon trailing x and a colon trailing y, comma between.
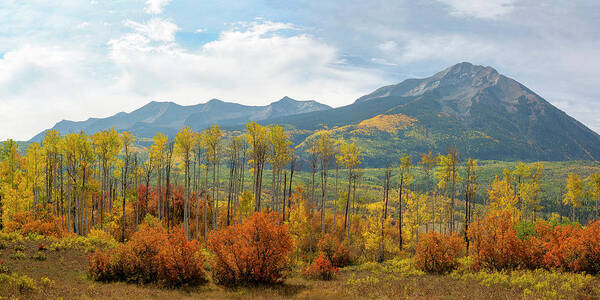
x: 252, y: 63
x: 387, y: 46
x: 156, y: 29
x: 155, y: 6
x: 481, y: 9
x: 451, y: 48
x: 40, y: 83
x: 83, y: 25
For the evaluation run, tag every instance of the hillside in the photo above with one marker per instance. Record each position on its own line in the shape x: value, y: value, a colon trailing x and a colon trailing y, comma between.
x: 169, y: 117
x: 483, y: 113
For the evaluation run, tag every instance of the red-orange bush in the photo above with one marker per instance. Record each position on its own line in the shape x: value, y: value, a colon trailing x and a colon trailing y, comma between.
x: 152, y: 255
x: 181, y: 262
x: 256, y: 251
x: 495, y: 244
x: 100, y: 266
x: 336, y: 251
x: 570, y: 248
x: 438, y: 253
x: 328, y: 245
x: 39, y: 221
x: 321, y: 269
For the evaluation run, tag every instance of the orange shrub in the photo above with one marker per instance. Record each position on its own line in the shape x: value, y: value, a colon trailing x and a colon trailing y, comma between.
x: 321, y: 269
x: 254, y: 252
x: 571, y: 248
x: 181, y: 262
x: 152, y: 255
x: 589, y: 260
x: 495, y: 244
x: 565, y: 247
x: 336, y: 251
x: 328, y: 245
x: 438, y: 253
x: 100, y: 266
x: 39, y: 221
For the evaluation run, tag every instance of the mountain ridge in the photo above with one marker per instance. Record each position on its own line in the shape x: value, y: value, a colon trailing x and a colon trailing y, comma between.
x: 168, y: 116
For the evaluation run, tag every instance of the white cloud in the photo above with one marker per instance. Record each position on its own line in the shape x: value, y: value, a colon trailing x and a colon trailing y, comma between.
x: 482, y: 9
x: 200, y: 30
x: 83, y: 25
x: 156, y: 29
x: 155, y: 6
x: 41, y: 83
x: 442, y: 47
x: 387, y: 46
x: 253, y: 63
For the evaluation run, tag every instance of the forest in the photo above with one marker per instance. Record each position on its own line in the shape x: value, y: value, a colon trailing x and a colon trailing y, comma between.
x: 243, y: 214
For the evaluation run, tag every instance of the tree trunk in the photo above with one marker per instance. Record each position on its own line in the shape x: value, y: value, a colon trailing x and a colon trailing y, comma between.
x: 400, y: 241
x: 346, y: 227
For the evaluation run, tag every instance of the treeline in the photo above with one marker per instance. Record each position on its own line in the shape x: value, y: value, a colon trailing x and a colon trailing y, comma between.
x: 106, y: 181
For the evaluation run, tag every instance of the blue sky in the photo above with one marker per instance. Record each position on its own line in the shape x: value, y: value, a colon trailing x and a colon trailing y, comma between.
x: 74, y: 59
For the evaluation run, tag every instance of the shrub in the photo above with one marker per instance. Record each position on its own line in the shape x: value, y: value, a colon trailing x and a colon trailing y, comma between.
x: 18, y: 255
x: 86, y: 244
x: 99, y: 266
x: 17, y: 284
x: 253, y: 252
x: 344, y: 255
x: 42, y: 247
x: 135, y: 261
x: 19, y: 247
x: 3, y: 244
x: 336, y: 251
x: 39, y: 256
x: 589, y: 245
x: 321, y: 269
x: 25, y: 284
x: 182, y: 262
x: 3, y: 268
x: 152, y: 255
x: 100, y: 238
x: 525, y: 230
x: 39, y: 221
x: 328, y: 246
x: 47, y: 282
x: 438, y: 253
x: 570, y: 248
x: 495, y: 243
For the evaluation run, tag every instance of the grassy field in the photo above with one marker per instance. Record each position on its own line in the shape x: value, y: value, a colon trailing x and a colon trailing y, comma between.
x: 60, y: 272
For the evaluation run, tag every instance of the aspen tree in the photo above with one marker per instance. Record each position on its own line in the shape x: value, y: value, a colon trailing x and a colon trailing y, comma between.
x: 259, y: 145
x: 185, y: 141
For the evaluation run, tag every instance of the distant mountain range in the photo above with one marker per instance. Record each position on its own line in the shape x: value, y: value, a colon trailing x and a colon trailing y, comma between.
x: 169, y: 117
x: 481, y: 112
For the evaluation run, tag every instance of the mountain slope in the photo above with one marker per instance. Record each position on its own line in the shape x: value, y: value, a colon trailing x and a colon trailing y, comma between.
x: 169, y: 117
x: 483, y: 113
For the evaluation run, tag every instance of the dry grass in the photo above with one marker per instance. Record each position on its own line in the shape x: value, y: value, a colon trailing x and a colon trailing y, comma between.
x: 396, y: 279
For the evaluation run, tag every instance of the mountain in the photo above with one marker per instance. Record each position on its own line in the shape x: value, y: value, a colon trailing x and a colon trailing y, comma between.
x: 475, y: 109
x: 481, y: 112
x: 169, y: 117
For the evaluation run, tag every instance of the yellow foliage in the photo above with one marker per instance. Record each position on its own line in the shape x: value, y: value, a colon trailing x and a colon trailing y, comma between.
x: 502, y: 196
x: 387, y: 123
x: 574, y: 193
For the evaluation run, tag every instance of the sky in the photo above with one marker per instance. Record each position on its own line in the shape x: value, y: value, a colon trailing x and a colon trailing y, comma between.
x: 75, y: 59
